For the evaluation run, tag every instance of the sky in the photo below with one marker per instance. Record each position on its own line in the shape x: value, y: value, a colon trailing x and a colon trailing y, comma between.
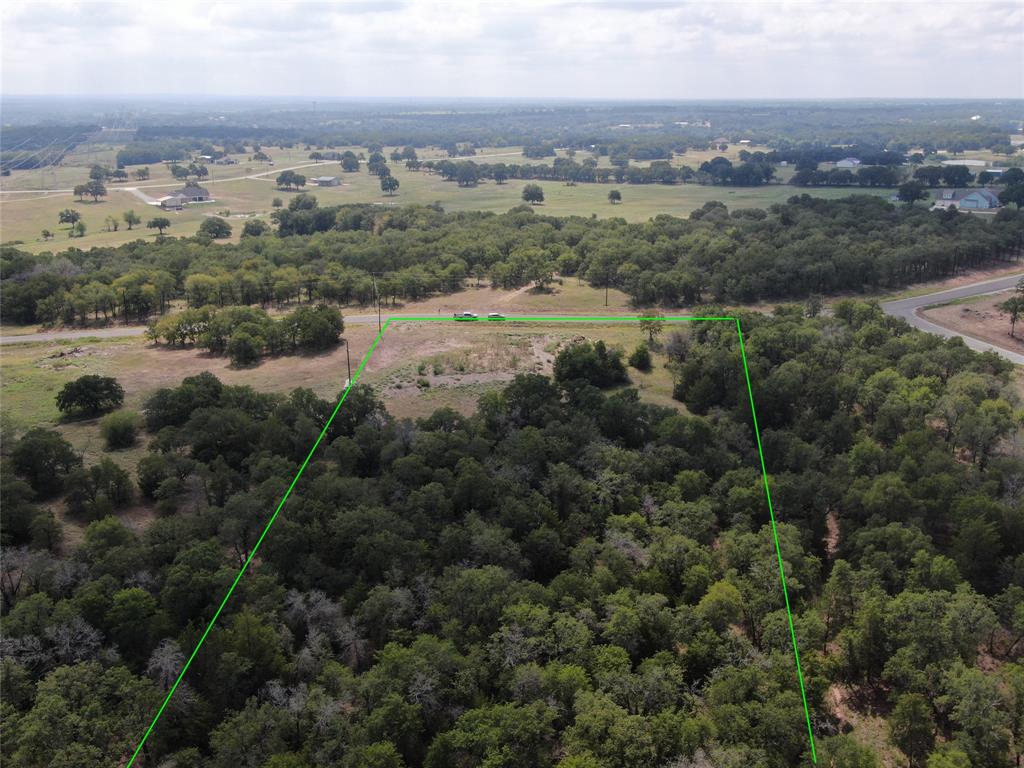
x: 515, y: 49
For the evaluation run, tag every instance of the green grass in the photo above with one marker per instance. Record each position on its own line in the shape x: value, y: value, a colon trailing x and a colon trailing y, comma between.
x: 956, y: 302
x: 924, y: 290
x: 23, y: 217
x: 33, y: 374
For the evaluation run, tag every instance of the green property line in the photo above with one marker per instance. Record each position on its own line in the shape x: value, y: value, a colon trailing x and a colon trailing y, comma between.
x: 341, y: 400
x: 778, y: 549
x: 550, y: 319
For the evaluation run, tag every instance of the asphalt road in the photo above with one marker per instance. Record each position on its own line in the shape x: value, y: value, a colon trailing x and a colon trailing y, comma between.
x: 909, y: 309
x: 905, y: 308
x: 121, y: 331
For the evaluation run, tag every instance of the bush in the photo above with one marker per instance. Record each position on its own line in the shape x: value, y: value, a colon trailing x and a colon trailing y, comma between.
x: 95, y: 492
x: 173, y: 407
x: 120, y: 429
x: 314, y: 327
x: 152, y: 470
x: 90, y: 395
x: 215, y: 227
x: 44, y: 458
x: 254, y: 228
x: 533, y: 194
x: 243, y: 349
x: 641, y: 357
x: 46, y: 531
x: 592, y: 363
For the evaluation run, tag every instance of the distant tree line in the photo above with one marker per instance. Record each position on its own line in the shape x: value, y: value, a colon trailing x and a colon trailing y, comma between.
x: 865, y: 176
x: 719, y: 171
x: 153, y: 152
x: 360, y: 253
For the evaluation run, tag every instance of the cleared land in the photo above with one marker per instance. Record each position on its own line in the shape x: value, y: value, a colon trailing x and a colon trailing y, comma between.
x: 417, y: 369
x: 980, y: 317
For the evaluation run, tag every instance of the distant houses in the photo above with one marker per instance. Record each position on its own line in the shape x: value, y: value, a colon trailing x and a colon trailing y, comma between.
x: 848, y: 162
x: 327, y: 181
x: 967, y: 199
x: 173, y: 202
x: 971, y: 163
x: 190, y: 193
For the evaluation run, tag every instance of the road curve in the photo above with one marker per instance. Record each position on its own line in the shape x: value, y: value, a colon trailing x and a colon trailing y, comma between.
x: 909, y: 310
x: 906, y: 308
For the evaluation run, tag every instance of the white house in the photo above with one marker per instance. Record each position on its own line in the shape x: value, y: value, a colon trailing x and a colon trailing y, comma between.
x: 173, y: 202
x: 848, y: 162
x: 190, y: 193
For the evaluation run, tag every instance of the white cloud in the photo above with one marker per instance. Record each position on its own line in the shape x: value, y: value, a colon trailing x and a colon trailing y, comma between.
x: 524, y: 49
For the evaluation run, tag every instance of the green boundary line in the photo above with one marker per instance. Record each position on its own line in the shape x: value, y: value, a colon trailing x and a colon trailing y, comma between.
x: 555, y: 319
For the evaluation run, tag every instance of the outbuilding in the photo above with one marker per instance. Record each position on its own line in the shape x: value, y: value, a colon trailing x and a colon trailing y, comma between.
x: 327, y: 181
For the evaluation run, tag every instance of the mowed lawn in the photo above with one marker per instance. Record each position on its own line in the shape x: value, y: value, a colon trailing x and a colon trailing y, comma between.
x: 248, y: 189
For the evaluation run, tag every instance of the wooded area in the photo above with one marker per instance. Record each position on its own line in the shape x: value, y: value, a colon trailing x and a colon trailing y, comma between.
x: 568, y: 577
x: 353, y: 254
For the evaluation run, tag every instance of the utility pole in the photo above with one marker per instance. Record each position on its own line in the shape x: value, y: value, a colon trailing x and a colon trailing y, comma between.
x: 606, y: 294
x: 377, y: 297
x: 348, y: 360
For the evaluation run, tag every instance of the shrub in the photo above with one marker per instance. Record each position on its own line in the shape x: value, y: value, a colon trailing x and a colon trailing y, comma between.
x: 95, y: 492
x: 46, y: 531
x: 44, y: 458
x: 120, y: 429
x: 254, y: 228
x: 533, y: 194
x: 313, y: 327
x: 641, y: 358
x: 243, y: 349
x: 90, y: 395
x: 593, y: 363
x: 215, y: 227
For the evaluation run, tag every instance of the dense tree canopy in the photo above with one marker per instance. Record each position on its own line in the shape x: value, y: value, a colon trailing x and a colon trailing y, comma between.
x: 326, y: 254
x: 570, y: 576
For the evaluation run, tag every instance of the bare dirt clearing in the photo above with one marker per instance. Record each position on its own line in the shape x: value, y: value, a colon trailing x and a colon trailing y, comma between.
x: 980, y: 318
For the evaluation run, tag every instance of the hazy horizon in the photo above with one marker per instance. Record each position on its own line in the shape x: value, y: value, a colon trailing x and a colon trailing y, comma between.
x: 541, y: 51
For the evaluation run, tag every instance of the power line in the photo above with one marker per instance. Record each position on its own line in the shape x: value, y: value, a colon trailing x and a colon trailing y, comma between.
x: 19, y: 165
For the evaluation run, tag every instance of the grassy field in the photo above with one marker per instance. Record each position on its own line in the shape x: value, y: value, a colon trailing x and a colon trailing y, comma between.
x: 248, y: 189
x: 417, y: 368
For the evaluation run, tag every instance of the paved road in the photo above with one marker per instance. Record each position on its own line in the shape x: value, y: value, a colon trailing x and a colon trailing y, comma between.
x: 121, y: 331
x: 98, y: 333
x: 909, y: 310
x: 905, y: 308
